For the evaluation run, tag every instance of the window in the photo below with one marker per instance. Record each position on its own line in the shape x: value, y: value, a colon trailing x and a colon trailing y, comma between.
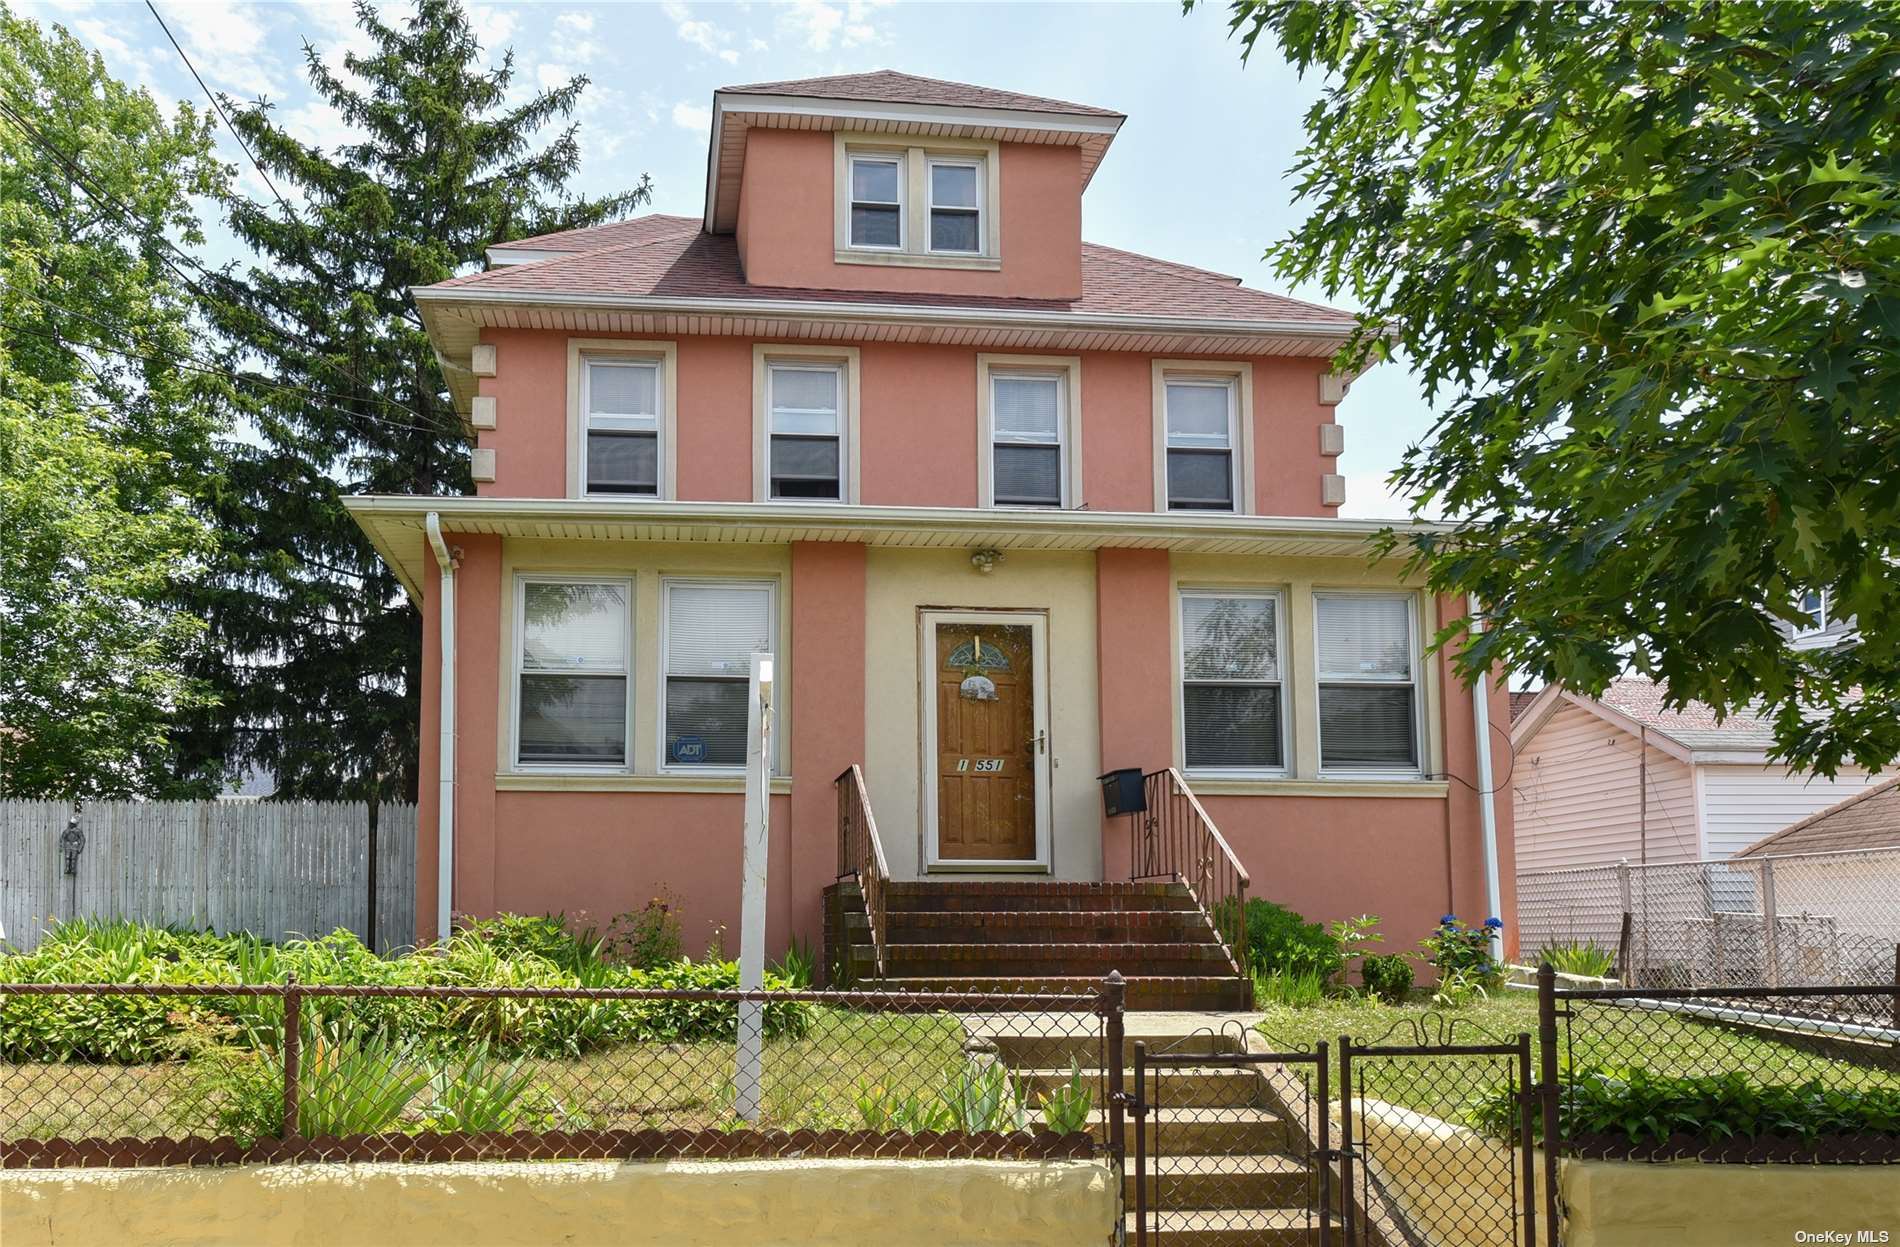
x: 1200, y: 443
x: 1368, y: 682
x: 571, y: 673
x: 621, y: 406
x: 1232, y: 699
x: 806, y: 430
x: 1815, y: 604
x: 956, y: 214
x: 877, y: 202
x: 712, y: 631
x: 1027, y: 416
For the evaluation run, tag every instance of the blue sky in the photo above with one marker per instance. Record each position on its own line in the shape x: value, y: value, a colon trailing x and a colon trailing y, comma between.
x: 1198, y: 174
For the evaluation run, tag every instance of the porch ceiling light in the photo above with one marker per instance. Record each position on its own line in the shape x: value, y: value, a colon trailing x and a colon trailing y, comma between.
x: 985, y: 561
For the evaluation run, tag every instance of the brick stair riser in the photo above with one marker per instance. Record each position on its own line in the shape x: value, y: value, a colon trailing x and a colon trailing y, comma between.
x: 1068, y: 897
x: 1191, y: 995
x: 1203, y: 1191
x: 1056, y: 1051
x: 1132, y: 926
x: 1041, y: 961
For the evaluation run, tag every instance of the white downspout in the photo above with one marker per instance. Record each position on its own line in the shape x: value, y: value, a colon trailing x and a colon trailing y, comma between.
x: 445, y: 780
x: 1487, y: 799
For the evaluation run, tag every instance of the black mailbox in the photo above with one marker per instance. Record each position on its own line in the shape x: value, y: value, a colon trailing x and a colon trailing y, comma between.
x: 1123, y: 793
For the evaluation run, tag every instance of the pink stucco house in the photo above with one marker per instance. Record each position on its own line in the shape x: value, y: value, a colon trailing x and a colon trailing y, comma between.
x: 883, y: 411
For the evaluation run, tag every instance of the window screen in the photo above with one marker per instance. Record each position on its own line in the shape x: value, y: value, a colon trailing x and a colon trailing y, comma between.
x: 571, y: 704
x: 807, y: 447
x: 1231, y: 683
x: 712, y: 631
x: 623, y: 427
x: 1026, y: 414
x: 1368, y: 688
x: 1200, y: 445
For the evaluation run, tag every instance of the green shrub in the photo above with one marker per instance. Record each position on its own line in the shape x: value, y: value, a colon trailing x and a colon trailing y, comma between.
x: 1280, y: 941
x: 1644, y: 1107
x: 1464, y: 953
x: 483, y: 1092
x: 1066, y: 1109
x: 649, y: 936
x: 1583, y: 958
x: 1387, y: 976
x: 674, y: 1021
x: 1296, y: 989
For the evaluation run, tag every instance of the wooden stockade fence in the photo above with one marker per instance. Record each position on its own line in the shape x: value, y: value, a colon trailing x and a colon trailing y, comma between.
x: 274, y: 869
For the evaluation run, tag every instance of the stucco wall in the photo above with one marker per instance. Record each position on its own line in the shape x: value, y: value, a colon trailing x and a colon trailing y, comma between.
x: 1618, y: 1204
x: 678, y: 1203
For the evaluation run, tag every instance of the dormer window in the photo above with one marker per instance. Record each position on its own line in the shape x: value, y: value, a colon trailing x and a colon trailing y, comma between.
x: 877, y: 201
x: 956, y: 206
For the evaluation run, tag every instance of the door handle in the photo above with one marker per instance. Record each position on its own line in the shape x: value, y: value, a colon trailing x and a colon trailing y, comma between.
x: 1039, y: 742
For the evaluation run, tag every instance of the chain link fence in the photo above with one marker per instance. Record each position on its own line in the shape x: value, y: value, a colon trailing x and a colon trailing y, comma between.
x: 144, y: 1074
x: 1804, y: 919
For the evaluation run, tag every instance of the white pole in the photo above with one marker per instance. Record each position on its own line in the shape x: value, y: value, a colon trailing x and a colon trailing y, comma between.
x: 445, y: 781
x: 749, y: 1077
x: 1487, y: 800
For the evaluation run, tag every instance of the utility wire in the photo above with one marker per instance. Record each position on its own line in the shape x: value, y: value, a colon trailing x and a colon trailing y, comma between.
x: 225, y: 117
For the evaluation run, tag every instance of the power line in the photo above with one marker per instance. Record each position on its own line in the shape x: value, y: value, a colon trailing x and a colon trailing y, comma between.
x: 223, y: 116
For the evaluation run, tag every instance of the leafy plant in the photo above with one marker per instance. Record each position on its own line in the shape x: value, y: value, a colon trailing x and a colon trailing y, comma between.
x: 1583, y: 958
x: 512, y: 936
x: 1459, y: 988
x: 484, y: 1092
x: 799, y: 963
x: 885, y: 1109
x: 1297, y: 990
x: 1645, y: 1107
x: 649, y: 936
x: 1456, y: 949
x: 356, y: 1084
x: 1388, y: 976
x: 982, y: 1097
x: 1280, y: 941
x: 1356, y: 936
x: 1066, y: 1109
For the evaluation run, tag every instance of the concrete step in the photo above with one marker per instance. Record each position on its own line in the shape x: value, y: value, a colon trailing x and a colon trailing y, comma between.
x: 1077, y: 1040
x: 1205, y: 1087
x: 1026, y: 960
x: 988, y: 895
x: 1259, y: 1227
x: 1250, y: 1132
x: 1174, y: 992
x: 1042, y: 926
x: 1225, y: 1183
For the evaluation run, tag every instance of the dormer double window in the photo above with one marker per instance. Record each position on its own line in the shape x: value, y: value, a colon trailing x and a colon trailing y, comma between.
x: 931, y: 207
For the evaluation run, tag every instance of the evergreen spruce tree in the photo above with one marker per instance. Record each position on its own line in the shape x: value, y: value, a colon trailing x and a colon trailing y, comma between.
x: 316, y: 653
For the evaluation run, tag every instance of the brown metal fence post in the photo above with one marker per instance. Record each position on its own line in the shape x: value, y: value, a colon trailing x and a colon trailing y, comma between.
x: 1547, y: 1089
x: 1114, y: 1000
x: 1527, y: 1097
x: 1896, y: 987
x: 293, y: 1052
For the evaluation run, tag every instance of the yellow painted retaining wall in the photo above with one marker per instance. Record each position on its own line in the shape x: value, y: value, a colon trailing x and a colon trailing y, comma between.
x: 1454, y: 1184
x: 1688, y: 1204
x: 625, y: 1203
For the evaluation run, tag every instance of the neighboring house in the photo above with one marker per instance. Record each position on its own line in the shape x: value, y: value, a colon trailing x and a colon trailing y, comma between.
x: 1825, y: 627
x: 1622, y: 778
x: 1870, y: 819
x: 882, y: 411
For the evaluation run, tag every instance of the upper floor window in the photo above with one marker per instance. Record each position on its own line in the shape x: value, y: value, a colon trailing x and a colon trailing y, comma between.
x: 1232, y: 682
x: 956, y: 206
x: 1028, y: 415
x: 1815, y: 604
x: 1368, y: 682
x: 1201, y: 432
x: 877, y: 201
x: 620, y: 403
x: 712, y: 630
x: 571, y: 672
x: 807, y: 429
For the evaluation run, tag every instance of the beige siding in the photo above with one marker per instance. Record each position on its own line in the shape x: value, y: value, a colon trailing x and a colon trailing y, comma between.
x: 1576, y: 790
x: 1746, y: 802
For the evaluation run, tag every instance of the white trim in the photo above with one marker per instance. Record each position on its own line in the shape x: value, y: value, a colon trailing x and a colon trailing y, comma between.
x: 1283, y: 680
x: 667, y: 583
x: 1068, y: 429
x: 1038, y: 624
x: 875, y: 155
x: 518, y: 642
x: 1240, y: 420
x: 665, y: 354
x: 503, y: 257
x: 846, y: 360
x: 979, y: 165
x: 940, y: 114
x: 1417, y: 683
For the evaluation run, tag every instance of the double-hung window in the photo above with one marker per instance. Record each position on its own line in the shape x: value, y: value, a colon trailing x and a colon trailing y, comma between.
x: 1028, y: 412
x: 1200, y: 443
x: 621, y: 403
x: 571, y: 672
x: 806, y: 409
x: 1368, y: 682
x: 877, y: 201
x: 712, y: 630
x: 956, y: 213
x: 1233, y: 703
x: 1814, y: 603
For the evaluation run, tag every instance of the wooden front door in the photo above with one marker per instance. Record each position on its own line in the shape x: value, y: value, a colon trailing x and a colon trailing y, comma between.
x: 988, y: 747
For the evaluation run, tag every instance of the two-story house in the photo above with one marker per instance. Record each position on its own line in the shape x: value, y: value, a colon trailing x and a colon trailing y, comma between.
x: 1012, y: 510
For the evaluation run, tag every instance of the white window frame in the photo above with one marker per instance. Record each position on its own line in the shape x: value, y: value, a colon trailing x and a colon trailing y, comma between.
x: 1281, y: 651
x: 663, y: 765
x: 875, y: 156
x: 1069, y: 429
x: 584, y: 351
x: 1416, y: 683
x: 1231, y: 387
x: 839, y: 368
x: 1064, y: 487
x: 520, y: 642
x: 616, y: 423
x: 1825, y: 610
x: 975, y: 163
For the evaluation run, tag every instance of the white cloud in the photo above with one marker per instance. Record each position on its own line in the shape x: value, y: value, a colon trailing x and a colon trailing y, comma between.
x: 227, y: 43
x: 492, y: 24
x: 692, y: 117
x: 573, y: 38
x: 320, y: 125
x: 708, y: 37
x: 819, y: 23
x: 758, y: 45
x: 122, y: 58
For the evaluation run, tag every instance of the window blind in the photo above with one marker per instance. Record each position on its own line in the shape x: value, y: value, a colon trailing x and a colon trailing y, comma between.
x: 1368, y: 696
x: 572, y: 690
x: 1026, y: 415
x: 711, y: 633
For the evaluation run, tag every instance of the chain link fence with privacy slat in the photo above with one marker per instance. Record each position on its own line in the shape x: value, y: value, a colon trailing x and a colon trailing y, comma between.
x: 1836, y: 919
x: 130, y: 1074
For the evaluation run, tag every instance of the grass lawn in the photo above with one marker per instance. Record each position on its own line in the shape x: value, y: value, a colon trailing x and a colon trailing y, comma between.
x: 810, y: 1083
x: 1599, y: 1035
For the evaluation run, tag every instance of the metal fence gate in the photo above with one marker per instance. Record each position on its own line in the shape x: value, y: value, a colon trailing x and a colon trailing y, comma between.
x: 1239, y: 1147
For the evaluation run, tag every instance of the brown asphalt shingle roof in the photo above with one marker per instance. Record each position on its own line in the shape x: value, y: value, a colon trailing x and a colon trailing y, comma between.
x: 671, y: 256
x: 887, y: 86
x: 1868, y: 820
x: 1694, y: 726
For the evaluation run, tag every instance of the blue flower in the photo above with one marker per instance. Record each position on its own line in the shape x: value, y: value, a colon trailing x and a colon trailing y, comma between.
x: 1496, y: 924
x: 1449, y: 920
